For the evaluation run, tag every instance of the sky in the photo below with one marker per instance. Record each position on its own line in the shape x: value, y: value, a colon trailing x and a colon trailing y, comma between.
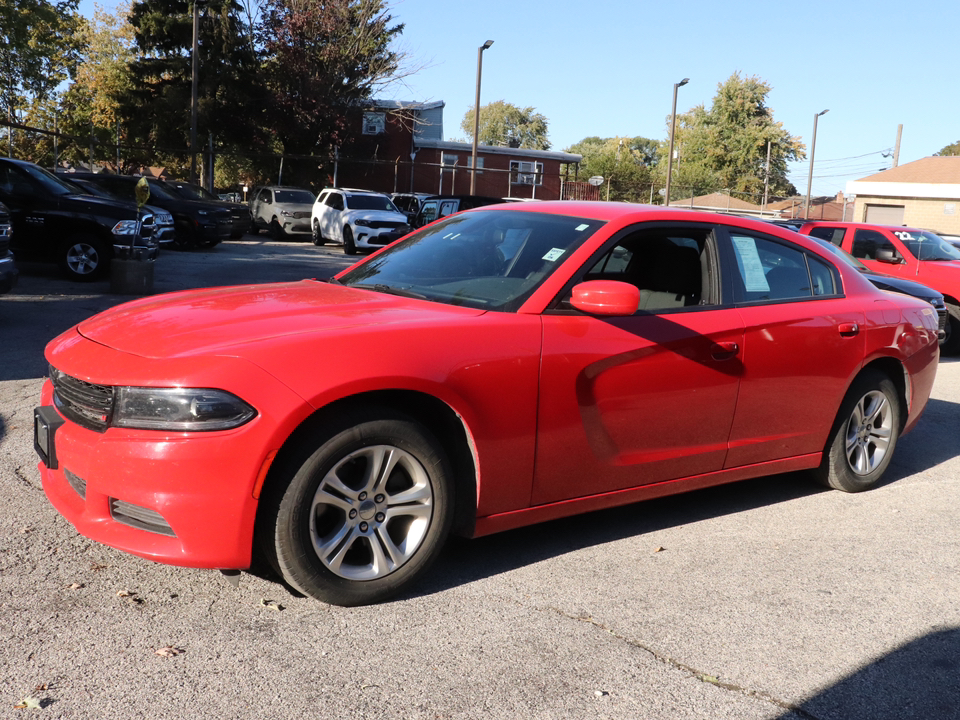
x: 607, y: 68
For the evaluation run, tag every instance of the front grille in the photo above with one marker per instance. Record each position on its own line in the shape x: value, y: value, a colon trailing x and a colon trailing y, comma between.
x: 300, y: 215
x: 942, y: 319
x: 139, y: 517
x: 4, y: 239
x: 380, y: 224
x: 84, y: 403
x: 77, y: 483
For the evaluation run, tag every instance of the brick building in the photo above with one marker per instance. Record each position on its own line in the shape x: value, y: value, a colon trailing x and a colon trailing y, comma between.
x: 924, y: 193
x: 400, y: 148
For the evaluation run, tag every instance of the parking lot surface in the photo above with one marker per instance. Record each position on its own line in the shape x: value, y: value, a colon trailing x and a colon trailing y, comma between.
x: 771, y: 598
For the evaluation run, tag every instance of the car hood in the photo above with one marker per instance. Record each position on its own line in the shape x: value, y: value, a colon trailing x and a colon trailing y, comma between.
x: 385, y: 215
x: 106, y: 207
x: 901, y: 285
x: 223, y: 320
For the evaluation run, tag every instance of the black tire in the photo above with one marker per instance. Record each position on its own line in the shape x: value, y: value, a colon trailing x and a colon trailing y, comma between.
x: 84, y: 258
x: 951, y: 343
x: 349, y: 246
x: 254, y: 229
x: 864, y: 435
x: 276, y: 231
x: 337, y: 534
x: 317, y: 236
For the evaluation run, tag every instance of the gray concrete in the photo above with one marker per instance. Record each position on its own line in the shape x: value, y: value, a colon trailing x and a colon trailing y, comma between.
x: 764, y: 599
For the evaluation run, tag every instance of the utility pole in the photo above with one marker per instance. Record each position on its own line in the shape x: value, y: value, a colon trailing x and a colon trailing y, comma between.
x: 896, y: 149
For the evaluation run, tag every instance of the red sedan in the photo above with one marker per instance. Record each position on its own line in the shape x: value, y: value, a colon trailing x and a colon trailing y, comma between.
x: 497, y: 368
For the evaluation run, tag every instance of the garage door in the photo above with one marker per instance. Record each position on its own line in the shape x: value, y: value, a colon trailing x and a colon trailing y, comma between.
x: 884, y: 214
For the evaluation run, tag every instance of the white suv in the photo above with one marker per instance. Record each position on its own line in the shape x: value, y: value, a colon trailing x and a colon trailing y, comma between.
x: 356, y: 219
x: 283, y: 211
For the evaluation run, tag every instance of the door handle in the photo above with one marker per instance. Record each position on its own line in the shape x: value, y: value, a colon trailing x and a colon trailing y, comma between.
x: 724, y: 350
x: 848, y: 329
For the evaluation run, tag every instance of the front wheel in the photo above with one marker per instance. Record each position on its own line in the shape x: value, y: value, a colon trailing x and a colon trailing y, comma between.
x: 365, y: 513
x: 864, y: 435
x: 317, y: 234
x: 951, y: 341
x: 349, y: 246
x: 84, y: 258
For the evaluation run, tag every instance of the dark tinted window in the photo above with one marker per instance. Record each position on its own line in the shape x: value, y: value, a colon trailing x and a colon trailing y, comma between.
x: 833, y: 235
x: 768, y: 270
x: 866, y: 243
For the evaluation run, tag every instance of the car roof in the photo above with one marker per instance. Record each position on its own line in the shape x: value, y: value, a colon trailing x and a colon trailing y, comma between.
x: 865, y: 226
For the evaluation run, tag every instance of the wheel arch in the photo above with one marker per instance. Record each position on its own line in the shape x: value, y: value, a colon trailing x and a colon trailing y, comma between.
x: 895, y: 370
x: 434, y: 414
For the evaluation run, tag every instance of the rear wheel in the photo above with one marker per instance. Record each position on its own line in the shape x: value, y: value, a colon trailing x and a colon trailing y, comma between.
x: 363, y: 511
x: 318, y: 238
x: 84, y: 258
x: 864, y: 435
x: 349, y: 246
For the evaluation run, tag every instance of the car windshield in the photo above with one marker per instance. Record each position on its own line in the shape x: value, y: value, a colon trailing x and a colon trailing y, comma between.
x: 293, y: 196
x: 370, y: 202
x: 50, y: 182
x: 193, y: 192
x: 492, y: 260
x: 840, y: 254
x: 927, y: 246
x: 160, y: 190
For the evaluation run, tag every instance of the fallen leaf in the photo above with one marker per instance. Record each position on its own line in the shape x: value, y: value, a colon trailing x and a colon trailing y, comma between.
x: 28, y: 703
x: 710, y: 679
x: 129, y: 595
x: 273, y: 605
x: 76, y: 586
x: 40, y: 688
x: 97, y: 567
x: 601, y: 693
x: 169, y: 651
x: 659, y: 549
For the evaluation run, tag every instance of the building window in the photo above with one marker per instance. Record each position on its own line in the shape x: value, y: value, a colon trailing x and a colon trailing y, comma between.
x: 449, y: 160
x: 479, y: 164
x: 374, y: 123
x: 526, y: 173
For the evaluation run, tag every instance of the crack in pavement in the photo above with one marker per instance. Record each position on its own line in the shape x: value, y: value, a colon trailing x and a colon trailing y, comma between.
x: 691, y: 671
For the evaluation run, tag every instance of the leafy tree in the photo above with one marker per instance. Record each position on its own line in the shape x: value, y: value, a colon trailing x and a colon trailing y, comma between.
x: 625, y: 164
x: 951, y: 149
x: 156, y: 111
x: 323, y: 57
x: 725, y: 147
x: 502, y: 123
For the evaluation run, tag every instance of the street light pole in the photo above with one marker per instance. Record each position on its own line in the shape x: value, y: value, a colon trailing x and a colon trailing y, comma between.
x: 813, y: 150
x: 476, y: 119
x: 195, y: 62
x: 673, y: 129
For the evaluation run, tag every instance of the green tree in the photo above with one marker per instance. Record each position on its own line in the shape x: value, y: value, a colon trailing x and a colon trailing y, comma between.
x: 725, y: 147
x: 951, y: 149
x: 37, y: 51
x: 323, y: 58
x: 502, y: 123
x: 626, y: 164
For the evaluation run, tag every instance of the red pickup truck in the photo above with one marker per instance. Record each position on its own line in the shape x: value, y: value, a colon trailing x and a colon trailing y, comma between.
x: 905, y: 252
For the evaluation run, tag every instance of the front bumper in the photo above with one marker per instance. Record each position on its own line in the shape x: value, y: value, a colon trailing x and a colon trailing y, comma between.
x: 8, y: 274
x: 373, y: 238
x: 174, y: 497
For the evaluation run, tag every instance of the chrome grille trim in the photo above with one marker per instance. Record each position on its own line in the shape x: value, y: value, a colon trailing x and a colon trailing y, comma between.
x: 77, y: 483
x: 139, y: 517
x: 86, y: 404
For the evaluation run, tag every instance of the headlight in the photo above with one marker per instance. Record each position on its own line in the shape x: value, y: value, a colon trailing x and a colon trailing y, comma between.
x: 202, y: 213
x: 286, y: 213
x: 179, y: 409
x: 125, y: 227
x: 362, y: 223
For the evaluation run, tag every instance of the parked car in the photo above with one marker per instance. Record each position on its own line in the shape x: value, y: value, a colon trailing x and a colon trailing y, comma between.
x: 163, y: 228
x: 409, y: 204
x: 910, y: 253
x: 438, y: 206
x: 505, y: 366
x: 8, y: 268
x: 196, y: 224
x: 356, y: 219
x: 284, y: 211
x: 52, y: 222
x: 239, y: 212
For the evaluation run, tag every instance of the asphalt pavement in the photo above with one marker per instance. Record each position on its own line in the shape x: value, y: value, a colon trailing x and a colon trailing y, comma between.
x: 766, y: 599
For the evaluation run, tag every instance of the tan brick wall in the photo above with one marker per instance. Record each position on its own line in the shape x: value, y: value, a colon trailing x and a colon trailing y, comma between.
x: 919, y: 213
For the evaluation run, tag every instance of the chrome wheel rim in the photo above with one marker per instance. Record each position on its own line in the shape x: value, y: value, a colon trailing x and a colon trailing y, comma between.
x: 371, y: 512
x: 869, y: 431
x: 82, y: 259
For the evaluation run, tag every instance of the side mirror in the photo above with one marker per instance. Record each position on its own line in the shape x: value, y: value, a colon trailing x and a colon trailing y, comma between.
x: 606, y: 297
x: 891, y: 257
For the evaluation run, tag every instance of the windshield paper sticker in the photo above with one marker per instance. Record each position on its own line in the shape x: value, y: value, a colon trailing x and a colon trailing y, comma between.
x: 750, y: 266
x: 553, y: 254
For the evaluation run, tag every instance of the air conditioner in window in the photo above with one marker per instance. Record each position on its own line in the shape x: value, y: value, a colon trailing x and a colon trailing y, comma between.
x: 371, y: 129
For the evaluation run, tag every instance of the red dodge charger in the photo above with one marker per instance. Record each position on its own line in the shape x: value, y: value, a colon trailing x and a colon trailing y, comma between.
x: 500, y: 367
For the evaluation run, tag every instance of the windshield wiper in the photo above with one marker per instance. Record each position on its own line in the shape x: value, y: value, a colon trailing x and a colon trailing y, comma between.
x: 390, y: 290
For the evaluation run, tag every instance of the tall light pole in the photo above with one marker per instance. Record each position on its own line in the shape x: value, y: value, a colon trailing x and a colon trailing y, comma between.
x: 195, y: 63
x: 476, y: 119
x: 673, y: 129
x: 813, y: 150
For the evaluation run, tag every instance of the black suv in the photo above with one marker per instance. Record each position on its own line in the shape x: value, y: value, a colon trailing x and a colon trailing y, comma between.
x: 196, y: 224
x: 239, y: 212
x: 52, y: 222
x: 8, y: 270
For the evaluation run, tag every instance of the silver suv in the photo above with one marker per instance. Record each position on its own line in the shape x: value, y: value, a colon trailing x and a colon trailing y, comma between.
x: 356, y: 219
x: 281, y: 210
